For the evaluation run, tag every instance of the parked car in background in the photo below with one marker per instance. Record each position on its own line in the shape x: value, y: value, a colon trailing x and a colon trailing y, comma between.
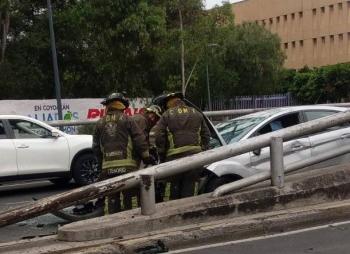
x: 30, y: 149
x: 263, y: 122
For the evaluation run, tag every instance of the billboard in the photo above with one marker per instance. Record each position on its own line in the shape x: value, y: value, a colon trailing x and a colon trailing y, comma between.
x: 73, y: 109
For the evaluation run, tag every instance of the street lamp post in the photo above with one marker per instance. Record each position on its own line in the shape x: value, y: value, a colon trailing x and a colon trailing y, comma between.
x: 208, y: 88
x: 54, y: 61
x: 210, y: 45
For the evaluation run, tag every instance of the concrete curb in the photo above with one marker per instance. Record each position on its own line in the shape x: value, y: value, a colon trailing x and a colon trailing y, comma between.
x: 48, y: 244
x: 192, y: 235
x: 307, y: 188
x: 232, y: 229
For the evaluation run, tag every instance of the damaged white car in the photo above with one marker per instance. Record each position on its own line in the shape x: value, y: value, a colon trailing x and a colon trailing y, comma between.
x: 263, y: 122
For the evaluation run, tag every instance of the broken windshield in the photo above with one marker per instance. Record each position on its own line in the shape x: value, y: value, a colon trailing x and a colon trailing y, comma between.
x: 235, y: 129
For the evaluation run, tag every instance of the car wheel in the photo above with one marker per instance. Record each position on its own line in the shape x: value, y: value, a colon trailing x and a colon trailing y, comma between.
x: 61, y: 181
x: 216, y: 182
x: 85, y: 169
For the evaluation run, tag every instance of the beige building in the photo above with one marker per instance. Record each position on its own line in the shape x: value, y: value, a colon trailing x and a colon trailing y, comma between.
x: 313, y: 32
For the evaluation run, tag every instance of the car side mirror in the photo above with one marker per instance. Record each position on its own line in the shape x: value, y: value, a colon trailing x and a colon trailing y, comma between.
x: 55, y: 134
x: 257, y: 152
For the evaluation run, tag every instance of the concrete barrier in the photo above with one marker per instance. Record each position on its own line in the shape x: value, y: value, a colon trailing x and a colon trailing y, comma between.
x: 230, y: 229
x: 303, y: 189
x: 194, y: 235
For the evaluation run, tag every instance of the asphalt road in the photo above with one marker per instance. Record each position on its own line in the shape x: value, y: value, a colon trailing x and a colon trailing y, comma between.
x: 20, y: 193
x: 329, y: 239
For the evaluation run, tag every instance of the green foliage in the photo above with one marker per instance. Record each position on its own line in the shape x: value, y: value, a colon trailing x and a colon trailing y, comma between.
x: 134, y: 45
x: 256, y: 56
x: 320, y: 85
x: 244, y: 59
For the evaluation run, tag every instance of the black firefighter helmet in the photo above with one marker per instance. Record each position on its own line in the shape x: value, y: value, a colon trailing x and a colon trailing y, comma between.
x: 116, y: 97
x: 162, y: 100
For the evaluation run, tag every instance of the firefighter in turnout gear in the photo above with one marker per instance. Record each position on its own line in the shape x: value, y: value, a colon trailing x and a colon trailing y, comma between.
x: 120, y: 144
x: 148, y: 119
x: 181, y: 131
x: 147, y: 122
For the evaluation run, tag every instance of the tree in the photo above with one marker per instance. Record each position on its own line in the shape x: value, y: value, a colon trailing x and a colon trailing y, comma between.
x: 256, y: 56
x: 102, y: 46
x: 4, y: 26
x: 321, y: 85
x: 108, y: 45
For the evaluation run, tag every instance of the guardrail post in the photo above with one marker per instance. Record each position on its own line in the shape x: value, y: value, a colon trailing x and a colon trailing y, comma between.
x: 148, y: 200
x: 276, y: 160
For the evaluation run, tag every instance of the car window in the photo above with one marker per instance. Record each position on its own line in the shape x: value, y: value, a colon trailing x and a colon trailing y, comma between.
x: 316, y: 114
x: 280, y: 123
x: 25, y: 129
x: 2, y: 131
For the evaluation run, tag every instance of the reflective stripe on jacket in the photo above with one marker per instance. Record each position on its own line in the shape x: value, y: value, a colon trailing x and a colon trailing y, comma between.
x: 120, y: 141
x: 182, y: 129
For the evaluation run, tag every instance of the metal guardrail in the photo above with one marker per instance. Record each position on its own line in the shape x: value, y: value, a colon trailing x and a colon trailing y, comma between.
x: 61, y: 123
x: 235, y: 112
x: 277, y: 174
x: 167, y: 169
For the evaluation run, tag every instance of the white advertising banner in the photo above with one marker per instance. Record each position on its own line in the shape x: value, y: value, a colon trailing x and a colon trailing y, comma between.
x: 73, y: 109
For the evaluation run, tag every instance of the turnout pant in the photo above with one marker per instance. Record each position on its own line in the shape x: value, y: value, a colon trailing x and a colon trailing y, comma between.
x: 122, y: 200
x: 183, y: 185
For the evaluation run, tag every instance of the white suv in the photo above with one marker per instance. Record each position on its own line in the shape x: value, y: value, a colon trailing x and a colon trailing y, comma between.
x: 30, y: 149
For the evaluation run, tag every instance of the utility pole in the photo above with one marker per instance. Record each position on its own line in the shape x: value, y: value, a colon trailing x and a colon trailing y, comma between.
x: 54, y: 61
x: 208, y: 88
x: 210, y: 45
x: 182, y: 55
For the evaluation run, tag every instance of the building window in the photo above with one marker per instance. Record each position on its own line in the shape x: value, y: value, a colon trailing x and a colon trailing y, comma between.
x: 323, y: 9
x: 314, y: 11
x: 271, y: 21
x: 278, y: 19
x: 331, y: 7
x: 301, y: 43
x: 263, y: 23
x: 348, y: 35
x: 300, y: 14
x: 340, y: 36
x: 314, y: 41
x: 323, y: 39
x: 340, y: 6
x: 293, y: 44
x: 331, y: 38
x: 285, y: 17
x: 348, y: 4
x: 293, y: 16
x: 286, y: 45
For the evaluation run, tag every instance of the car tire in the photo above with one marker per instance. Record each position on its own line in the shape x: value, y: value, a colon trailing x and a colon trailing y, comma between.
x: 216, y: 182
x: 63, y: 181
x: 85, y: 169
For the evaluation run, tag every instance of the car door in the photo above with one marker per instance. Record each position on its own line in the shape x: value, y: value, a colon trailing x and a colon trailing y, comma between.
x: 8, y: 162
x: 37, y: 151
x: 294, y: 150
x: 328, y: 140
